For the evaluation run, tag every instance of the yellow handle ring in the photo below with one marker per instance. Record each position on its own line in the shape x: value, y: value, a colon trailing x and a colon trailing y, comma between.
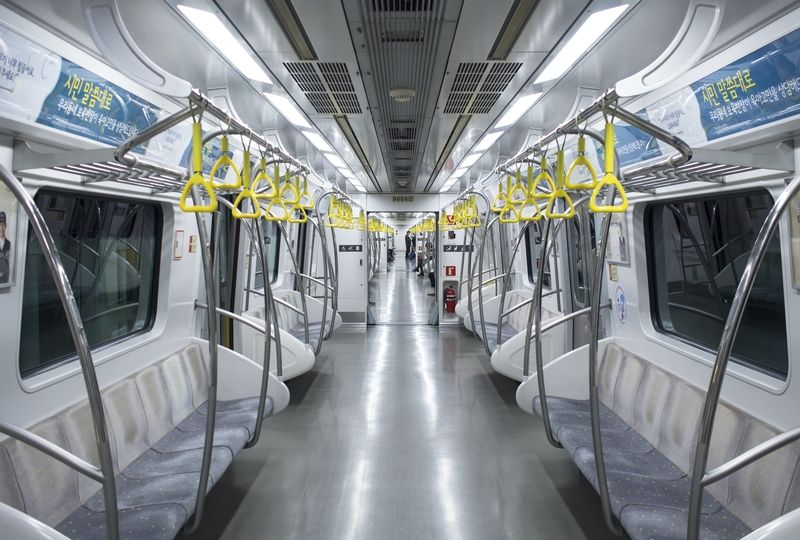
x: 196, y: 178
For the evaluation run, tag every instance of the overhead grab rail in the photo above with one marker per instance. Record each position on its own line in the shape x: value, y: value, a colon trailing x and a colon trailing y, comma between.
x: 700, y: 477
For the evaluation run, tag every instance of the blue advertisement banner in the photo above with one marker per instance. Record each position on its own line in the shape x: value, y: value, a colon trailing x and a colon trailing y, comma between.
x: 760, y: 88
x: 85, y: 104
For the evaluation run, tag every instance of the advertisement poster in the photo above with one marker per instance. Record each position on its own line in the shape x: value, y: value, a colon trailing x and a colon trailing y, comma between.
x: 9, y: 208
x: 617, y: 247
x: 794, y: 216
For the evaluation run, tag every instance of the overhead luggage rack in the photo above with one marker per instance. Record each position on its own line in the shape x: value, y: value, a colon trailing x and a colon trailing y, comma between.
x: 685, y: 165
x: 120, y: 165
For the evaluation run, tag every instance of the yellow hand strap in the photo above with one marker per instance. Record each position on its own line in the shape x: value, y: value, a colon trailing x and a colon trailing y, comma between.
x: 581, y: 161
x: 288, y: 192
x: 246, y: 193
x: 300, y: 212
x: 543, y: 176
x: 501, y: 200
x: 306, y: 200
x: 608, y: 179
x: 197, y: 178
x: 519, y: 193
x: 283, y: 211
x: 510, y: 214
x: 224, y: 160
x: 560, y: 193
x: 262, y: 176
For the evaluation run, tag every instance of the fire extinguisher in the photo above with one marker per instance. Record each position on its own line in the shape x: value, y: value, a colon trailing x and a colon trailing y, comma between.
x: 450, y: 299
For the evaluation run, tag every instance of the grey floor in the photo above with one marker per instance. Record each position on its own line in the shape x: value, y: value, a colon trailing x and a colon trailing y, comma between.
x: 402, y: 432
x: 400, y: 296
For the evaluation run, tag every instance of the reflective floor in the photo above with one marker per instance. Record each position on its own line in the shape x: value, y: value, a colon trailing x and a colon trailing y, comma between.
x: 400, y: 296
x: 402, y: 432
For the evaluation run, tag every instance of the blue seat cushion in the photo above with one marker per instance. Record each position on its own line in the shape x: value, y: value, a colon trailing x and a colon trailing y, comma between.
x: 650, y: 523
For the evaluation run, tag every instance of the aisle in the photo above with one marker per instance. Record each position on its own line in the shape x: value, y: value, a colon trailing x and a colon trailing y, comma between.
x: 400, y: 296
x: 402, y: 432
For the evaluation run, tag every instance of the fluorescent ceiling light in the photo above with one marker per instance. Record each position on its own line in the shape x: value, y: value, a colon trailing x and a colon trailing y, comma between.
x: 218, y: 34
x: 458, y: 173
x: 356, y: 184
x: 288, y: 110
x: 488, y: 140
x: 581, y: 41
x: 517, y: 110
x: 470, y: 160
x: 318, y: 141
x: 336, y: 161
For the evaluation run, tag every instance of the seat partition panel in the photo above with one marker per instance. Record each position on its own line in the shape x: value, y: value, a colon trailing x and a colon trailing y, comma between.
x: 127, y: 420
x: 759, y: 491
x: 49, y: 488
x: 9, y: 487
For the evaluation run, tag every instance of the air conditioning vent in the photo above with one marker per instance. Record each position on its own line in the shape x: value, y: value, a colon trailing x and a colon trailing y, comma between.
x: 327, y: 86
x: 478, y: 85
x: 402, y: 6
x: 396, y: 35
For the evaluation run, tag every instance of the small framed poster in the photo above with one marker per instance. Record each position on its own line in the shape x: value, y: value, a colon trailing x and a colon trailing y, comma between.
x: 9, y: 210
x: 794, y: 216
x: 617, y: 250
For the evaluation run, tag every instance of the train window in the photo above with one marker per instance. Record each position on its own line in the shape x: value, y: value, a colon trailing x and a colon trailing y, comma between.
x: 577, y: 277
x: 533, y: 245
x: 272, y: 239
x: 697, y: 250
x: 110, y: 249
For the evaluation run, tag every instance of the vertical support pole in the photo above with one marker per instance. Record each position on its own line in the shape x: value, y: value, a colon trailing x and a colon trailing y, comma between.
x: 213, y: 340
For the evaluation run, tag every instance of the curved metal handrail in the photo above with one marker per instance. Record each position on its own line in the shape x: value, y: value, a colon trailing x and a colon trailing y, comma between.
x: 81, y: 341
x: 325, y: 264
x: 489, y: 224
x: 507, y: 279
x: 333, y: 261
x: 469, y: 281
x: 298, y: 272
x: 254, y: 233
x: 209, y: 268
x: 725, y: 350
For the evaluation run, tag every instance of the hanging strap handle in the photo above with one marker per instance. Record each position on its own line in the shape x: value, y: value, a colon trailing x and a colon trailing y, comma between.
x: 560, y: 193
x: 609, y: 179
x: 263, y: 176
x: 530, y: 203
x: 581, y: 161
x: 543, y: 176
x: 501, y: 200
x: 246, y: 193
x: 519, y: 193
x: 306, y: 200
x: 288, y: 192
x: 224, y: 160
x: 197, y: 178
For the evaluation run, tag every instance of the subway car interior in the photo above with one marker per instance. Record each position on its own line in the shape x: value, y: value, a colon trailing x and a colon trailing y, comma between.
x: 399, y: 269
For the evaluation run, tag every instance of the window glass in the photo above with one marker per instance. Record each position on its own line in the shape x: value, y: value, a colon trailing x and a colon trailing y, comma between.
x: 110, y: 250
x: 272, y: 240
x: 533, y: 246
x: 697, y: 251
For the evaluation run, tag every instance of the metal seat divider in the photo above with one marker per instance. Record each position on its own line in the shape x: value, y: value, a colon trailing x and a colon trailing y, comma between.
x: 489, y: 223
x: 298, y: 276
x: 105, y: 473
x: 700, y: 477
x: 269, y: 319
x: 507, y: 279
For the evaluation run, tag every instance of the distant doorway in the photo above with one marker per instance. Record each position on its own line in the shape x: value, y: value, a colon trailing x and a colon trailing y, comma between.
x: 402, y: 281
